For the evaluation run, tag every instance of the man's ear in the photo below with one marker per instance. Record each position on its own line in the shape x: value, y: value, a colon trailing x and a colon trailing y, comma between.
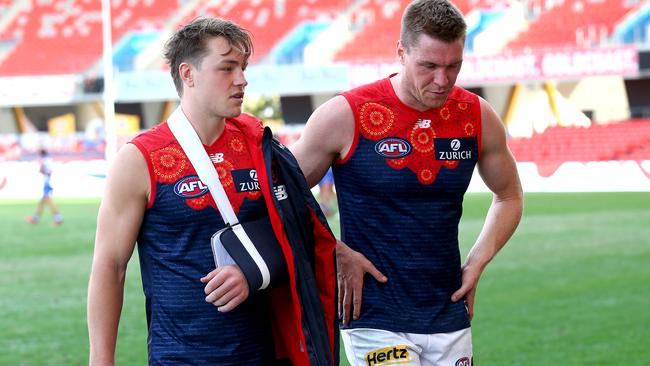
x: 400, y: 51
x: 185, y: 71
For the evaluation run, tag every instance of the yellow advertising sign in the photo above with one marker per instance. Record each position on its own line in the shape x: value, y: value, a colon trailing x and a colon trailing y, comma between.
x: 126, y: 124
x: 63, y: 125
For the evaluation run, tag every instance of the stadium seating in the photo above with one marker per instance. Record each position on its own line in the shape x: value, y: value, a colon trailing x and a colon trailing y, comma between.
x: 50, y: 37
x: 63, y: 37
x: 633, y: 28
x: 376, y: 26
x: 628, y: 140
x: 563, y: 24
x: 5, y: 4
x: 267, y: 20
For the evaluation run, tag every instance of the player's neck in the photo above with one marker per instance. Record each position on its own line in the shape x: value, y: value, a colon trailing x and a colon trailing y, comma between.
x: 207, y: 127
x: 404, y: 95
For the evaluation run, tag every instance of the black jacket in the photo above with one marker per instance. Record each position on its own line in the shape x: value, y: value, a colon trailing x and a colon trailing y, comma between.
x: 304, y: 311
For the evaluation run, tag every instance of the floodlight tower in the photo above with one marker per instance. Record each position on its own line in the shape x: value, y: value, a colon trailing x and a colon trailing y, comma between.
x: 109, y: 85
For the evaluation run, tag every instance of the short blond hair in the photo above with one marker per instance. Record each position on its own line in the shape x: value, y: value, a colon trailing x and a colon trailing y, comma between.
x: 438, y: 19
x: 188, y: 44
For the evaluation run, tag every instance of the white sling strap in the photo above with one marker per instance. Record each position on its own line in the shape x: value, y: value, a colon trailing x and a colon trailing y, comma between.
x: 191, y: 144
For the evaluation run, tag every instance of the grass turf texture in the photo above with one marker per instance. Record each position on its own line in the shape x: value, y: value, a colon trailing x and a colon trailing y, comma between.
x: 571, y: 288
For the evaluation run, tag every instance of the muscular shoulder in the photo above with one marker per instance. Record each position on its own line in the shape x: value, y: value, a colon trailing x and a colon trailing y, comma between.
x: 128, y: 176
x: 333, y: 125
x: 333, y: 111
x: 328, y: 135
x: 154, y: 138
x: 494, y: 132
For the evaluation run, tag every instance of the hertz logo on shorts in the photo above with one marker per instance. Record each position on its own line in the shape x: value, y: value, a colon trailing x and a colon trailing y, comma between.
x: 388, y: 356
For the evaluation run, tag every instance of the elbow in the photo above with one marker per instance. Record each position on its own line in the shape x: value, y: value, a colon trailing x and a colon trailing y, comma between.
x: 512, y: 201
x: 107, y: 271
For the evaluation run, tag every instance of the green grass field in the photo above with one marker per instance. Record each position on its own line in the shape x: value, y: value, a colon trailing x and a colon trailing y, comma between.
x: 571, y: 287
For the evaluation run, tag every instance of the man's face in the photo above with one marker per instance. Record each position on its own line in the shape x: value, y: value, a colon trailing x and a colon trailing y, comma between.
x: 430, y: 68
x: 219, y: 80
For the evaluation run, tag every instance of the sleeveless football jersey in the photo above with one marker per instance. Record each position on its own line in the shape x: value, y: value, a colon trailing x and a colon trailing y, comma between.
x: 400, y: 191
x: 175, y: 252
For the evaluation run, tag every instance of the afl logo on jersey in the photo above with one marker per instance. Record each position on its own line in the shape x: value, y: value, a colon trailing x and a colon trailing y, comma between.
x: 190, y: 187
x: 393, y: 147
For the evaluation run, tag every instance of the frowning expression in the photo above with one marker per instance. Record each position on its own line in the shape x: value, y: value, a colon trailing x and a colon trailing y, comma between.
x: 430, y: 69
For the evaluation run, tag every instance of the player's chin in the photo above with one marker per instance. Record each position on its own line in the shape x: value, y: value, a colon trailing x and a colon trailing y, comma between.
x: 234, y: 112
x: 436, y: 101
x: 435, y: 104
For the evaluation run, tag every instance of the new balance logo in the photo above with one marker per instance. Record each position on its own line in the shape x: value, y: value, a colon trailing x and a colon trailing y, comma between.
x: 216, y: 157
x: 280, y: 192
x: 423, y: 123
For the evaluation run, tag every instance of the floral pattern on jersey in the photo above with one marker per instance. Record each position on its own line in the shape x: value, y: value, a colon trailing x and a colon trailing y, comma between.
x: 201, y: 202
x: 426, y: 169
x: 451, y: 164
x: 376, y: 119
x: 223, y: 170
x: 421, y: 140
x: 168, y: 164
x: 236, y: 199
x: 399, y: 163
x: 230, y: 152
x: 445, y: 123
x: 254, y: 195
x: 445, y: 113
x: 237, y: 145
x: 469, y: 129
x: 426, y: 175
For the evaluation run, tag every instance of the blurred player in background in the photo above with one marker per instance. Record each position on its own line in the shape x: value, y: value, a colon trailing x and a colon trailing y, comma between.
x: 326, y: 194
x: 46, y: 199
x: 404, y: 150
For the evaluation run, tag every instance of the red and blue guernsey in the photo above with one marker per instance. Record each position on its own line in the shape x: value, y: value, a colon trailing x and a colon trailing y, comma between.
x: 174, y: 251
x: 400, y: 191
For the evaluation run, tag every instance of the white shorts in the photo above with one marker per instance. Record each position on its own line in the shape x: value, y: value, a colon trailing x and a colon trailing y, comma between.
x: 376, y: 347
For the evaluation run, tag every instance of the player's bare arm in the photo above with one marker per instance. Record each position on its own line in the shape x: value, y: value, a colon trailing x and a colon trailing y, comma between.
x: 328, y: 136
x: 118, y: 223
x: 498, y: 169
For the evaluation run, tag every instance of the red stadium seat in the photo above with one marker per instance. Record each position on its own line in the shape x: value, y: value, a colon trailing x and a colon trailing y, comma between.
x: 60, y: 37
x: 267, y: 20
x: 629, y: 140
x: 572, y: 24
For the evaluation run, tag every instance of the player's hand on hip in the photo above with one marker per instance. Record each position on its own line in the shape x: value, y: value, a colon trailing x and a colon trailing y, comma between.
x: 470, y: 276
x: 352, y: 267
x: 226, y: 287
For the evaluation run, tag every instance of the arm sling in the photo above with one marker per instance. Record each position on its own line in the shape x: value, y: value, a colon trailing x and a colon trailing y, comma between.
x: 251, y: 245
